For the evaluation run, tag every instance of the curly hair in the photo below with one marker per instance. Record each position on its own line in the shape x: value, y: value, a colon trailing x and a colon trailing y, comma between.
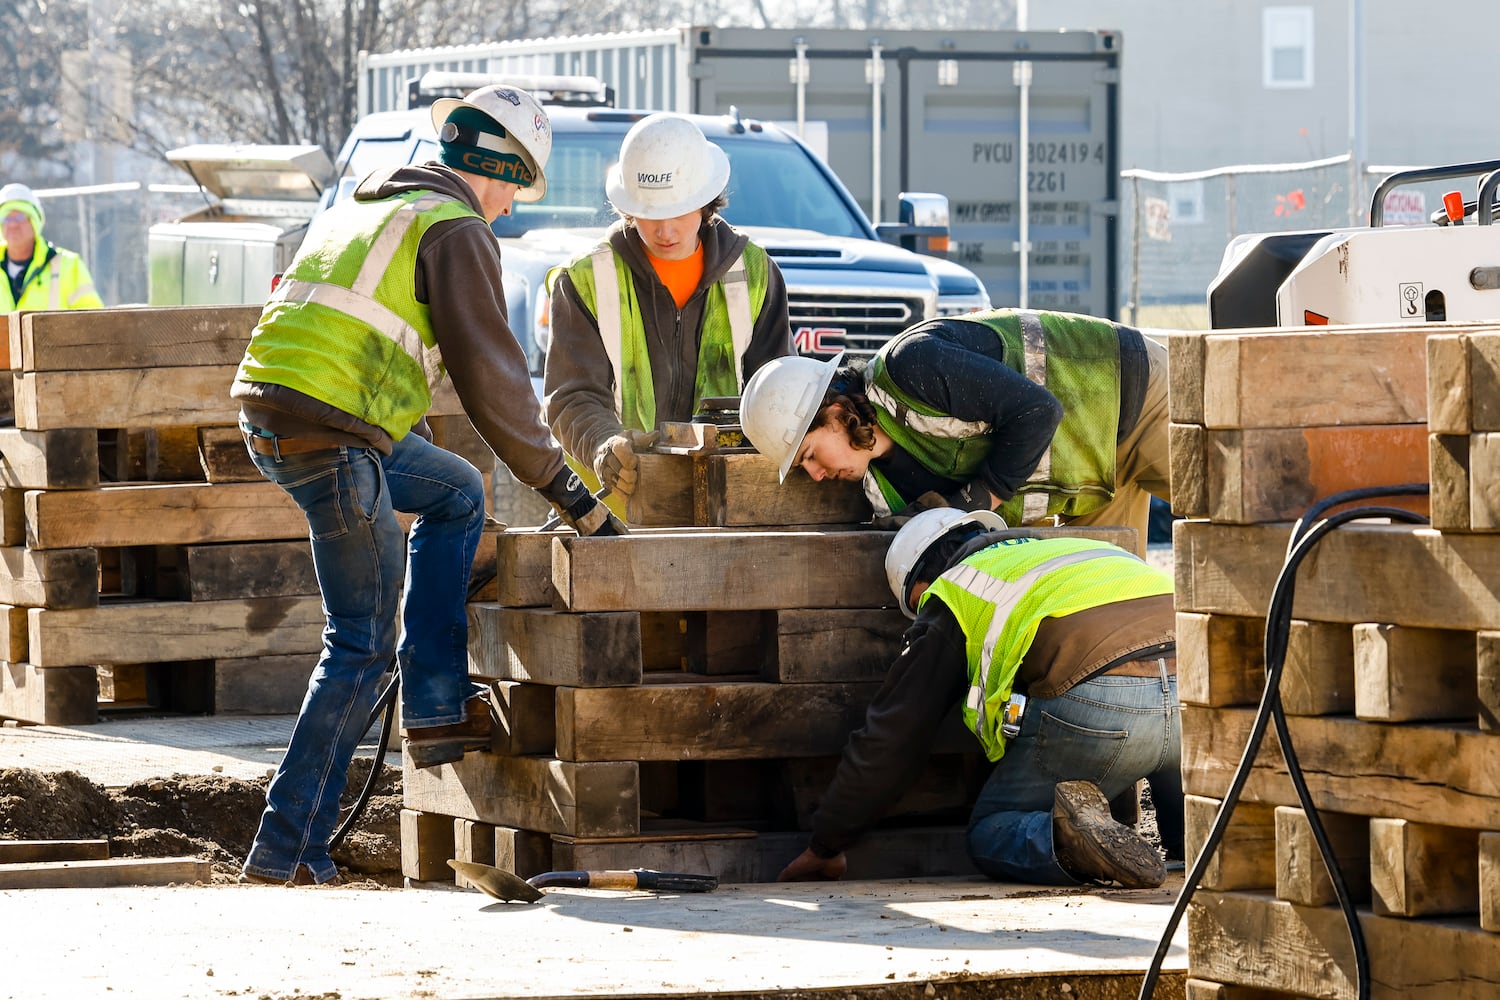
x: 845, y: 405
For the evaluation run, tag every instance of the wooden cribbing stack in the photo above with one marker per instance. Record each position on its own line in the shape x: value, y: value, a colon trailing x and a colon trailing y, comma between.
x: 143, y: 560
x: 1392, y: 675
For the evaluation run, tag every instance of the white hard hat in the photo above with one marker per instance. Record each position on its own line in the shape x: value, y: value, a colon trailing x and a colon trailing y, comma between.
x: 15, y: 192
x: 524, y: 131
x: 917, y: 536
x: 667, y: 168
x: 779, y: 404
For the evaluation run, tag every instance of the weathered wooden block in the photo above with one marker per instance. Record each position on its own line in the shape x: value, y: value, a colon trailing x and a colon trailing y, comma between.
x: 1484, y: 382
x: 1448, y: 473
x: 14, y: 647
x: 223, y: 456
x: 242, y: 570
x: 161, y: 515
x: 664, y: 496
x: 1448, y: 384
x: 1317, y: 676
x: 531, y: 793
x: 1202, y: 989
x: 1421, y: 870
x: 1489, y: 881
x: 1245, y: 857
x: 56, y: 578
x: 1413, y: 674
x: 1484, y: 481
x: 527, y: 718
x: 49, y: 696
x: 741, y: 489
x: 262, y: 685
x: 49, y: 460
x: 1301, y: 874
x: 1185, y: 363
x: 158, y: 337
x: 834, y: 645
x: 472, y: 842
x: 1187, y: 446
x: 1220, y: 659
x: 1441, y: 771
x: 426, y: 845
x: 1487, y: 670
x: 1319, y: 377
x: 543, y: 646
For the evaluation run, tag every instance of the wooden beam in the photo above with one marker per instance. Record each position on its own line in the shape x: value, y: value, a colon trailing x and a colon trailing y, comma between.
x: 1422, y: 870
x: 222, y: 453
x: 1316, y: 378
x: 166, y: 631
x: 1185, y: 364
x: 1317, y: 677
x: 14, y: 647
x: 49, y: 696
x: 1245, y: 857
x: 1187, y: 450
x: 528, y: 722
x: 1489, y: 881
x: 19, y: 851
x: 1276, y: 474
x: 161, y: 515
x: 1484, y: 481
x: 1448, y: 384
x: 664, y: 497
x: 158, y: 337
x: 1302, y: 875
x: 543, y: 646
x: 261, y: 685
x: 1448, y: 580
x: 530, y: 793
x: 105, y: 874
x: 1484, y: 382
x: 1365, y: 768
x: 1487, y: 674
x: 51, y: 578
x: 737, y: 490
x: 1448, y: 474
x: 242, y: 570
x: 1414, y: 674
x: 49, y: 460
x: 835, y: 645
x: 1256, y: 941
x: 1202, y: 989
x: 1220, y: 659
x: 139, y: 397
x: 426, y: 846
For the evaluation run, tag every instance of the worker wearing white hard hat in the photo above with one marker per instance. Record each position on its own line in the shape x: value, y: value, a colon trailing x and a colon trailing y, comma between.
x: 1060, y: 655
x: 1047, y: 417
x: 673, y: 307
x: 391, y: 291
x: 39, y: 275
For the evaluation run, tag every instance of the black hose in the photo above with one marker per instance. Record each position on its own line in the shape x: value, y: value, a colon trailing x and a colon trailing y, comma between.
x: 1278, y: 627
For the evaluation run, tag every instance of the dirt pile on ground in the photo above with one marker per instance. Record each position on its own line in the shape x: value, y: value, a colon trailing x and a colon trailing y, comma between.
x: 207, y: 816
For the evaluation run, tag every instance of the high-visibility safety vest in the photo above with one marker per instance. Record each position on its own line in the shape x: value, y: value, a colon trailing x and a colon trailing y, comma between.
x: 1077, y: 358
x: 56, y: 279
x: 344, y: 325
x: 604, y: 284
x: 1000, y: 595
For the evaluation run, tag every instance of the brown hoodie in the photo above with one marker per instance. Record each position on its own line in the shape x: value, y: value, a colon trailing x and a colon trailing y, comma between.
x: 457, y: 275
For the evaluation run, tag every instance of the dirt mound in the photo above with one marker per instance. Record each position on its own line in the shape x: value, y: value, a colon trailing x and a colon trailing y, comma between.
x: 209, y: 816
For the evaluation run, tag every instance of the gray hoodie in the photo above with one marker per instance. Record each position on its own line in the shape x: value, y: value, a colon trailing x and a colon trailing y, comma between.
x: 457, y: 275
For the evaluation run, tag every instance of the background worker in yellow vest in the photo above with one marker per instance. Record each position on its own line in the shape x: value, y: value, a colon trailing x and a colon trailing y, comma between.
x: 1061, y: 652
x: 1046, y: 417
x: 390, y: 291
x: 40, y: 275
x: 673, y: 307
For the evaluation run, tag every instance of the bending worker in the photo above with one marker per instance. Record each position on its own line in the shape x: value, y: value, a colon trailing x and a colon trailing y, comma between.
x: 390, y: 290
x: 1061, y: 653
x: 1046, y: 417
x: 673, y: 307
x: 40, y: 275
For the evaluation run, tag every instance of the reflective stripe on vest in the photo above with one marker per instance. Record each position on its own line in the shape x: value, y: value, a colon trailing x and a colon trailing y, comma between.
x: 1034, y: 349
x: 359, y: 300
x: 55, y: 279
x: 736, y: 287
x: 1005, y: 595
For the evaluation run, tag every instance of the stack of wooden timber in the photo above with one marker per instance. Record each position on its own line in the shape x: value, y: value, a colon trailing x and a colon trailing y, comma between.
x: 143, y: 560
x: 1392, y: 675
x: 678, y: 698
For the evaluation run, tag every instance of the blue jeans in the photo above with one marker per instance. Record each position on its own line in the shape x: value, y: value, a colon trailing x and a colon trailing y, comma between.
x: 350, y: 496
x: 1112, y: 731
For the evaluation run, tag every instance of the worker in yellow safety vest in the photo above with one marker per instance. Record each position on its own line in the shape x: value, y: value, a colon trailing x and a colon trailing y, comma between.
x: 390, y: 292
x: 1061, y: 656
x: 674, y: 306
x: 40, y: 275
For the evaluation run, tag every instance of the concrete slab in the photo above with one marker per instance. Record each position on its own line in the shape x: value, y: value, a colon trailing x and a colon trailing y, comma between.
x: 269, y: 942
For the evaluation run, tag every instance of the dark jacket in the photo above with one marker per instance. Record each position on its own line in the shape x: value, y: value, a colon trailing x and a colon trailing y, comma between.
x: 579, y: 380
x: 457, y: 274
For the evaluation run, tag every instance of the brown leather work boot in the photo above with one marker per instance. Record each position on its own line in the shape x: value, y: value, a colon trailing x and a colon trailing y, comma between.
x: 1091, y: 846
x: 430, y: 746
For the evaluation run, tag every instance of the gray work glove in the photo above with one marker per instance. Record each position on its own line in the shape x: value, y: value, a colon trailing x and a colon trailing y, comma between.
x: 897, y: 521
x: 615, y: 462
x: 578, y: 508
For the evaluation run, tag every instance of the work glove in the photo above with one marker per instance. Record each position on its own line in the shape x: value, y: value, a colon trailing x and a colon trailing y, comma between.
x: 897, y: 521
x: 580, y: 509
x: 615, y: 462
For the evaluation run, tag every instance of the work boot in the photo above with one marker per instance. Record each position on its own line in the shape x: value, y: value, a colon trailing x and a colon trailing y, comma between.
x: 430, y: 746
x: 1093, y: 847
x: 302, y: 876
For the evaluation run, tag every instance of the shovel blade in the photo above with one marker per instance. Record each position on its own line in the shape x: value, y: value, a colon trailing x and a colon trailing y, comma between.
x: 497, y: 882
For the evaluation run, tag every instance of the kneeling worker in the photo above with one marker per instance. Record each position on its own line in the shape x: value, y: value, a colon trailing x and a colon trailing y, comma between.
x: 1062, y: 653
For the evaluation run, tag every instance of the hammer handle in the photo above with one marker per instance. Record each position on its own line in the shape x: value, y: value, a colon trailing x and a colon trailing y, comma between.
x: 644, y: 879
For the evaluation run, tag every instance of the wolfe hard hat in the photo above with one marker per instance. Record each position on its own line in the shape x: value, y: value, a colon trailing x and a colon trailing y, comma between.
x: 779, y: 404
x: 20, y: 198
x: 918, y: 535
x: 496, y: 131
x: 667, y: 168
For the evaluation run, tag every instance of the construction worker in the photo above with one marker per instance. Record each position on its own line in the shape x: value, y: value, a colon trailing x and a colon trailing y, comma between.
x: 1061, y: 653
x: 1046, y: 417
x: 41, y: 276
x: 673, y: 307
x: 390, y: 290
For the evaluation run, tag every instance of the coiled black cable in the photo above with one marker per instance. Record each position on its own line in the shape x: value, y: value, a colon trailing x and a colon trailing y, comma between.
x: 1278, y: 627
